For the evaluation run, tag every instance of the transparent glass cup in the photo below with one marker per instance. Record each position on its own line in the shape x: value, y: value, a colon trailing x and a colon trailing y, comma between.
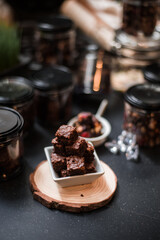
x: 11, y: 143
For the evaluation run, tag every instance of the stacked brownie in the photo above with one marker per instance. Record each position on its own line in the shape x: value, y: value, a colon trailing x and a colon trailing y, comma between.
x: 71, y: 155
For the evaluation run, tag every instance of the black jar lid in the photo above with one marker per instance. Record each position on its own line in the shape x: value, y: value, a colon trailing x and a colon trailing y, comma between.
x: 144, y: 96
x: 55, y: 24
x: 51, y: 78
x: 14, y: 90
x: 152, y: 73
x: 11, y: 122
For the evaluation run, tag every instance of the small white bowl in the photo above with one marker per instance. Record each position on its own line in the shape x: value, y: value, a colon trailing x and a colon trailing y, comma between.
x: 74, y: 180
x: 106, y: 129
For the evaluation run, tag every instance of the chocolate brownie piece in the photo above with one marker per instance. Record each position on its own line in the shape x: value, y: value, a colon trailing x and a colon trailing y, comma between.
x: 90, y: 168
x: 78, y: 148
x: 58, y: 147
x: 85, y: 118
x: 89, y: 156
x: 75, y: 165
x: 67, y: 134
x: 58, y: 162
x: 63, y: 173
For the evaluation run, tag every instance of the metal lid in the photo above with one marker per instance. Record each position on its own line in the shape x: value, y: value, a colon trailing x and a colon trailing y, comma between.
x: 52, y: 78
x: 14, y: 90
x: 55, y: 24
x: 144, y: 96
x: 152, y: 73
x: 11, y: 122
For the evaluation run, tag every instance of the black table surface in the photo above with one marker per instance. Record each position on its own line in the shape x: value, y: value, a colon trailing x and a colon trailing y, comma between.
x: 133, y: 213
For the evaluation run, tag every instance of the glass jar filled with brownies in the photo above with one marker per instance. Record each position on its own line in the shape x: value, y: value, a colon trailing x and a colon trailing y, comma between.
x: 53, y: 94
x: 55, y: 41
x: 142, y: 113
x: 140, y: 17
x: 11, y: 143
x: 139, y: 30
x: 18, y: 93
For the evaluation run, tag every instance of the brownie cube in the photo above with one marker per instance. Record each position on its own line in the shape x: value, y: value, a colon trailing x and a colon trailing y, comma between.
x: 67, y: 134
x: 64, y: 173
x: 89, y: 156
x: 90, y: 168
x: 58, y: 162
x: 58, y: 147
x: 78, y: 148
x: 75, y: 165
x: 85, y: 118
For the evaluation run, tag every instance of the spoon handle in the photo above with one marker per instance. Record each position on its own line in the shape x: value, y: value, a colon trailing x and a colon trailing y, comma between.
x: 102, y: 107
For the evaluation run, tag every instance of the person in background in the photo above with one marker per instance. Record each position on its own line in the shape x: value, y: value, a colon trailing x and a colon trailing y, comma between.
x: 6, y: 13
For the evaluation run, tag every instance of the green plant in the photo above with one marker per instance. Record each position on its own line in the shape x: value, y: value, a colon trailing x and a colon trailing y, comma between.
x: 9, y: 47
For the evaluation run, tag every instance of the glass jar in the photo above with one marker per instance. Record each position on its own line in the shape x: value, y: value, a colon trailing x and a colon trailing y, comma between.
x: 140, y: 17
x: 11, y: 143
x: 139, y: 35
x: 18, y: 93
x: 125, y: 73
x: 93, y: 72
x: 55, y: 41
x: 142, y: 113
x: 27, y: 29
x: 53, y: 94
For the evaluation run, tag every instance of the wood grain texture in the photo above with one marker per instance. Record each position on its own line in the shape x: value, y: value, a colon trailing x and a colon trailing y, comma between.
x: 80, y: 198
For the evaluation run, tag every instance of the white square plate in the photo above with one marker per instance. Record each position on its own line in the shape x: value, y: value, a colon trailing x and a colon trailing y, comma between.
x: 74, y: 180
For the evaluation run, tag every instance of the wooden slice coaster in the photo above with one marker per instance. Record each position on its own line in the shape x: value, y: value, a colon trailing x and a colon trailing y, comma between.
x: 80, y: 198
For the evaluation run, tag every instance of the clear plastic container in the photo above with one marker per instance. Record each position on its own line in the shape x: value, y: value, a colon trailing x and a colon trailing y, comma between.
x: 55, y: 41
x: 11, y: 143
x: 53, y: 95
x: 18, y: 93
x: 142, y: 113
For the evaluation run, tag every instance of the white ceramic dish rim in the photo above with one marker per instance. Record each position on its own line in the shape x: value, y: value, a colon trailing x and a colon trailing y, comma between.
x: 105, y: 123
x: 48, y: 150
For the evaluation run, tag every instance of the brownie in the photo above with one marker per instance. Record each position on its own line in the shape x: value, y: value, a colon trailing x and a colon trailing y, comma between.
x: 71, y: 154
x: 63, y: 173
x: 75, y: 165
x: 89, y: 156
x: 58, y: 147
x: 144, y: 15
x: 90, y: 168
x: 58, y: 162
x: 78, y: 148
x: 89, y: 159
x: 85, y: 118
x: 87, y: 125
x: 67, y: 134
